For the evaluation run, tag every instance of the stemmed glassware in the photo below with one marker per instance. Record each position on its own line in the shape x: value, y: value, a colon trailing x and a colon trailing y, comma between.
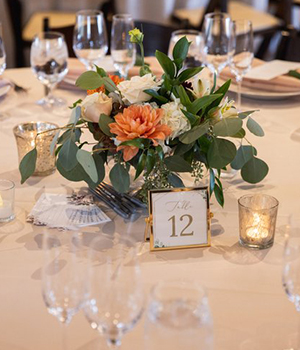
x: 115, y: 297
x: 48, y: 58
x: 2, y: 53
x: 90, y: 38
x: 195, y: 53
x: 178, y: 317
x: 123, y: 52
x: 62, y: 275
x: 291, y: 266
x: 218, y: 41
x: 241, y: 60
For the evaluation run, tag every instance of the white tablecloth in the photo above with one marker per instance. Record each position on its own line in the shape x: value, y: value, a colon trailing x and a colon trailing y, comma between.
x: 249, y: 307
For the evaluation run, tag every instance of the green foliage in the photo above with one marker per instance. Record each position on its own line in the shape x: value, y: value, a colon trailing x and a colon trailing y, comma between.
x: 188, y: 73
x: 166, y: 63
x: 221, y: 152
x: 193, y: 134
x: 86, y: 160
x: 244, y: 115
x: 68, y: 154
x: 141, y: 165
x: 27, y: 165
x: 202, y: 102
x: 254, y: 127
x: 243, y: 154
x: 104, y: 122
x: 180, y: 50
x: 175, y: 180
x: 255, y: 170
x: 156, y: 95
x: 119, y: 178
x: 227, y: 127
x: 177, y: 164
x: 294, y: 73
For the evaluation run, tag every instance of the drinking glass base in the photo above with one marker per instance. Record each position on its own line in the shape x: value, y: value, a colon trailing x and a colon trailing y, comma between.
x: 255, y: 245
x: 8, y: 219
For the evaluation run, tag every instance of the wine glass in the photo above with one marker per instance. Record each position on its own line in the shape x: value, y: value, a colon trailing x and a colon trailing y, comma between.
x: 2, y: 52
x: 114, y: 289
x: 291, y: 265
x: 48, y: 58
x: 178, y: 317
x: 90, y: 38
x: 195, y: 53
x: 241, y: 60
x: 62, y: 275
x: 123, y: 52
x: 218, y: 41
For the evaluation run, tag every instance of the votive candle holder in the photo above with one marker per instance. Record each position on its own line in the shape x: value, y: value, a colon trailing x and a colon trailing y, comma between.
x: 7, y: 200
x: 257, y: 220
x: 27, y: 139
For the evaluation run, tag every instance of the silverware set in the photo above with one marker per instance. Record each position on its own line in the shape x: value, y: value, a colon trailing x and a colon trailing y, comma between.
x: 121, y: 203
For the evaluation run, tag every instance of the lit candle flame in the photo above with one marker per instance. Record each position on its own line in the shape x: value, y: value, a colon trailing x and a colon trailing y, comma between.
x: 257, y: 231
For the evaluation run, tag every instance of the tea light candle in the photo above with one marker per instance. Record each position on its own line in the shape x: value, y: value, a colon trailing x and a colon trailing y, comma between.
x: 257, y: 218
x: 6, y: 200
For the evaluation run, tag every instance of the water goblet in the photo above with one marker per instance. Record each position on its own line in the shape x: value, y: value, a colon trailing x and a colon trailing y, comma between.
x: 2, y: 53
x: 241, y: 60
x: 195, y: 53
x: 123, y: 52
x: 114, y: 296
x: 62, y: 275
x: 218, y: 41
x: 291, y: 266
x: 90, y: 38
x: 178, y: 317
x: 48, y: 58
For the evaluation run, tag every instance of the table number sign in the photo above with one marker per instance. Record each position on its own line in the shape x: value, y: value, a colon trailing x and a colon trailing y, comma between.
x: 179, y: 218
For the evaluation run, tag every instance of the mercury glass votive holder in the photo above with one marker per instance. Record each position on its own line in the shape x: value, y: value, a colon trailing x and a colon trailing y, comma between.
x: 7, y: 200
x: 27, y: 139
x: 257, y: 220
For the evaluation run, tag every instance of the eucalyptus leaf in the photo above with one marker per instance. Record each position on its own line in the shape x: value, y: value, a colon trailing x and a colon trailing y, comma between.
x: 166, y: 63
x: 202, y: 102
x: 211, y: 181
x: 227, y: 127
x: 27, y: 165
x: 89, y: 80
x: 99, y: 162
x: 75, y: 115
x: 182, y: 148
x: 86, y: 160
x: 219, y: 195
x: 177, y: 164
x: 53, y: 142
x: 119, y: 178
x: 67, y: 155
x: 254, y: 127
x: 193, y: 134
x: 254, y: 170
x: 65, y: 136
x: 76, y: 174
x: 175, y: 180
x: 243, y: 154
x: 104, y: 122
x: 244, y: 115
x: 110, y: 86
x: 239, y: 135
x: 220, y: 153
x: 181, y: 49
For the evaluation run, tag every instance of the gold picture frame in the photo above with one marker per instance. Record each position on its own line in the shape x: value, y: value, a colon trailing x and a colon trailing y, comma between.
x: 155, y: 244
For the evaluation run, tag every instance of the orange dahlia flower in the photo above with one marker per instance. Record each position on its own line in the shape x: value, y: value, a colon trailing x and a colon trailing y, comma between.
x: 115, y: 78
x: 138, y: 122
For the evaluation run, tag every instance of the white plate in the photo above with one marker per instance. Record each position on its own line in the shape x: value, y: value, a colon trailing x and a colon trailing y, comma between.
x: 4, y: 87
x: 262, y: 94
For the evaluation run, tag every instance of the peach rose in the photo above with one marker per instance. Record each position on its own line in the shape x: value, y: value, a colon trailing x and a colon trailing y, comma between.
x: 138, y: 122
x: 94, y: 105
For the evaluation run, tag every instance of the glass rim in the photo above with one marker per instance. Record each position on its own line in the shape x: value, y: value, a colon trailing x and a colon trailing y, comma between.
x: 89, y: 12
x: 120, y: 16
x: 54, y: 33
x: 265, y: 195
x: 12, y: 185
x: 16, y: 127
x: 220, y: 15
x: 177, y: 284
x: 186, y: 31
x: 244, y: 21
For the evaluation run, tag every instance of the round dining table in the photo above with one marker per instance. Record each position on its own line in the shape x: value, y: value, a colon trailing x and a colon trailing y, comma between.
x: 249, y: 307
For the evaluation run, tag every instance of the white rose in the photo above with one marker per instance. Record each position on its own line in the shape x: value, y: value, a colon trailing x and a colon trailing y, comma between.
x: 201, y: 84
x: 94, y: 105
x: 133, y: 90
x: 174, y: 118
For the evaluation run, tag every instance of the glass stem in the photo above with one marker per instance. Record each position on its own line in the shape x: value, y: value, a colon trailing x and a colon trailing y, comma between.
x: 114, y: 344
x: 64, y: 335
x: 239, y: 92
x: 48, y: 90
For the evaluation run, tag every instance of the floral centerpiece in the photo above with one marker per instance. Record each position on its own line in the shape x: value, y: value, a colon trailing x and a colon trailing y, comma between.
x: 160, y: 127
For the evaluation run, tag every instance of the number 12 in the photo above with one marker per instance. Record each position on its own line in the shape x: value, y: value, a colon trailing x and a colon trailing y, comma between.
x: 182, y: 233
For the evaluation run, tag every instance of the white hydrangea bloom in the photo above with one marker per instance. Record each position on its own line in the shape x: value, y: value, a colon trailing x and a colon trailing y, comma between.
x: 174, y: 118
